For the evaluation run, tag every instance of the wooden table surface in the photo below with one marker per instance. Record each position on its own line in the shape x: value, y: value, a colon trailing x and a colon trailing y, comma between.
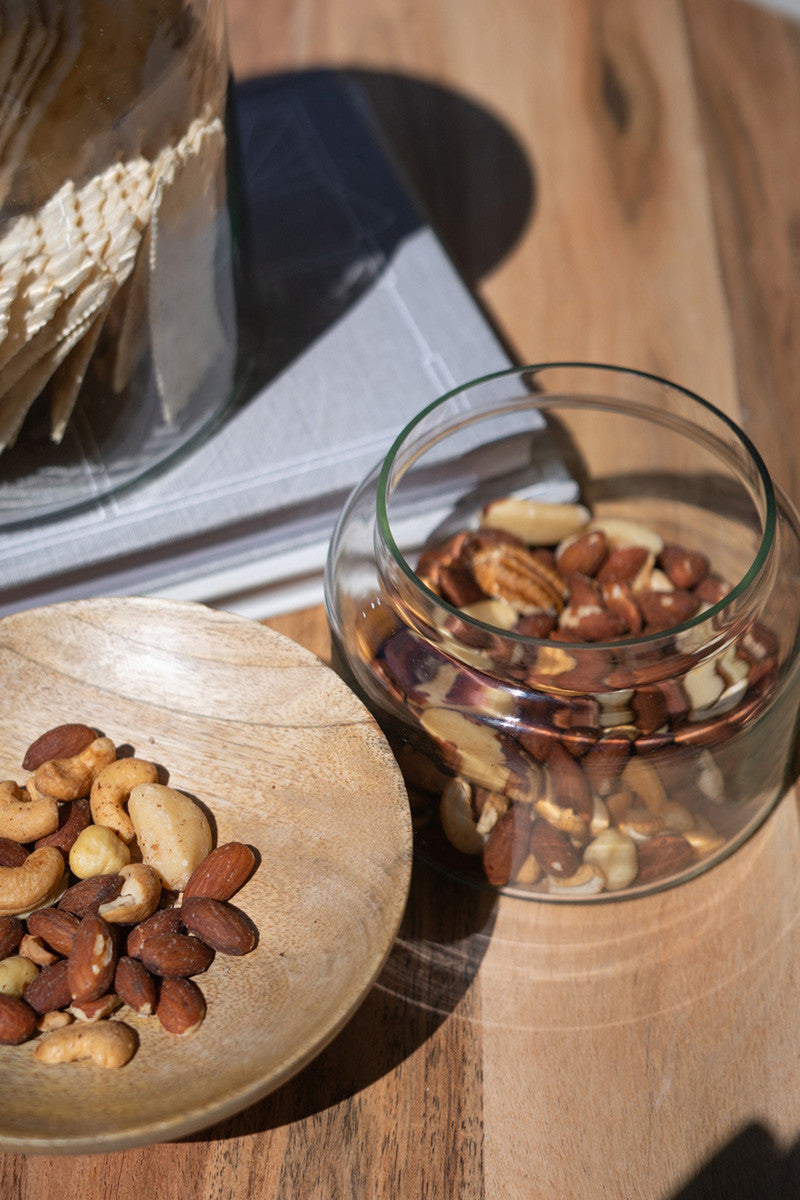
x: 616, y: 180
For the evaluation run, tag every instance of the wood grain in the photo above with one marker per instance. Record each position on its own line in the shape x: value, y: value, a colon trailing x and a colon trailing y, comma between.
x: 746, y: 75
x: 646, y: 216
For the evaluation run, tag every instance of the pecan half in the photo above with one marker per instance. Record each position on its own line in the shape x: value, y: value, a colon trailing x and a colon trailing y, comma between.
x: 514, y: 574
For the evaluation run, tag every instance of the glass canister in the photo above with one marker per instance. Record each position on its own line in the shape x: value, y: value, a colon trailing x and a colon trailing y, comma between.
x: 117, y: 316
x: 571, y: 597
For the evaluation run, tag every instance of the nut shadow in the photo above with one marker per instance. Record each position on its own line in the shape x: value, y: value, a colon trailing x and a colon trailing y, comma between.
x: 436, y: 955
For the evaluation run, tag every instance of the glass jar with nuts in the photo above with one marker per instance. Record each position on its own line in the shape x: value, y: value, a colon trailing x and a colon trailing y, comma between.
x: 571, y: 597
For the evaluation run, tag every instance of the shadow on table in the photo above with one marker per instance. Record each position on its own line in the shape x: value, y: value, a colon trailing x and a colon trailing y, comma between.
x: 439, y: 947
x: 466, y: 168
x: 336, y: 169
x: 752, y: 1166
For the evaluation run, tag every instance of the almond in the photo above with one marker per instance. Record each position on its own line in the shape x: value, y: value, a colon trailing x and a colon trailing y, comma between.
x: 711, y: 590
x: 662, y: 610
x: 12, y: 854
x: 570, y: 786
x: 12, y: 932
x: 619, y: 598
x: 92, y: 960
x: 583, y: 590
x: 222, y: 873
x: 135, y: 986
x: 591, y: 623
x: 675, y: 699
x: 176, y: 954
x: 87, y: 895
x: 585, y: 672
x: 63, y: 741
x: 663, y: 855
x: 164, y: 920
x: 536, y: 625
x: 507, y: 847
x: 553, y: 850
x: 218, y: 924
x: 758, y: 644
x: 181, y: 1006
x: 458, y: 585
x: 684, y: 568
x: 537, y: 743
x: 56, y: 928
x: 649, y: 705
x: 432, y: 560
x: 49, y: 991
x: 17, y: 1020
x: 586, y: 554
x: 623, y: 565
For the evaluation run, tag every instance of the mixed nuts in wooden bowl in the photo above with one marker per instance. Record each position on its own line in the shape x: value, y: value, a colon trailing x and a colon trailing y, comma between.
x: 221, y: 891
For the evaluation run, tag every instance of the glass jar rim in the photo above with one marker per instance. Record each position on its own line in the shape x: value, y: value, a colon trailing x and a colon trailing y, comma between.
x: 740, y: 588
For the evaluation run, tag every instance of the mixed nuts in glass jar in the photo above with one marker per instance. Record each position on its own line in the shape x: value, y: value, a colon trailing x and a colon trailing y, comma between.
x: 589, y: 673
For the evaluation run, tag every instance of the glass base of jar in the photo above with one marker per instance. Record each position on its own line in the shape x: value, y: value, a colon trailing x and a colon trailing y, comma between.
x: 426, y: 781
x: 111, y: 443
x: 585, y: 705
x: 433, y: 848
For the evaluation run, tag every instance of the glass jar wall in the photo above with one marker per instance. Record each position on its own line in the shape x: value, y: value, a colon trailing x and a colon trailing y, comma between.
x: 570, y: 596
x: 117, y: 322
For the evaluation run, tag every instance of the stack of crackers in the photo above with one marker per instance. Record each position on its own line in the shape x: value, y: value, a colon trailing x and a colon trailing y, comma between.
x: 112, y: 146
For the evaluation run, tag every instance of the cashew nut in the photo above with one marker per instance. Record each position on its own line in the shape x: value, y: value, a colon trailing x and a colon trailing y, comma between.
x: 614, y: 852
x: 33, y: 885
x: 642, y: 777
x: 588, y: 880
x: 529, y: 870
x: 172, y: 831
x: 16, y: 972
x: 72, y: 778
x: 23, y: 819
x: 56, y: 1019
x: 34, y: 949
x: 141, y: 892
x: 106, y: 1044
x: 98, y: 851
x: 562, y: 818
x: 703, y: 838
x: 601, y: 817
x: 493, y: 807
x: 111, y: 789
x: 458, y: 820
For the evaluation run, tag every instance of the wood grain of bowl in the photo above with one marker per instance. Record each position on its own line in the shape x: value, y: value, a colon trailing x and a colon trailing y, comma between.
x: 288, y: 761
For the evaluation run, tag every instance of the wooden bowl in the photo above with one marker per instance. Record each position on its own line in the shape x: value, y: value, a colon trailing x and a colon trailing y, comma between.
x: 288, y: 761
